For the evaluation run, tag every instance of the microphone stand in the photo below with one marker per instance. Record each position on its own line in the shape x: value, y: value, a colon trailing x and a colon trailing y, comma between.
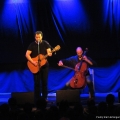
x: 38, y: 56
x: 39, y: 65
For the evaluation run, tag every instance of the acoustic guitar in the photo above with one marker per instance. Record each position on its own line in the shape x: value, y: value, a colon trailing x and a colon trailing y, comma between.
x: 43, y: 60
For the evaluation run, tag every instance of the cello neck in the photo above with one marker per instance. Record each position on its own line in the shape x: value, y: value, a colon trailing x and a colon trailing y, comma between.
x: 81, y: 59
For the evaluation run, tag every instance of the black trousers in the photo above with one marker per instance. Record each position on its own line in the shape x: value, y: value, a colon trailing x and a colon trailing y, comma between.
x: 40, y: 83
x: 90, y: 86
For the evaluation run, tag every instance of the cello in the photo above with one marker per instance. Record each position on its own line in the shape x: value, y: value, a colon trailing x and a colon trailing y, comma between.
x: 79, y: 78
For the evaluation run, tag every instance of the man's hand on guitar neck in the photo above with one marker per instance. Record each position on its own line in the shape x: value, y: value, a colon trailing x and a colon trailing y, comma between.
x: 49, y: 52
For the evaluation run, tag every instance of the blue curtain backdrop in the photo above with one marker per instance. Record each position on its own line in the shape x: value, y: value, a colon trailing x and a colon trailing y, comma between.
x: 70, y: 23
x: 105, y: 79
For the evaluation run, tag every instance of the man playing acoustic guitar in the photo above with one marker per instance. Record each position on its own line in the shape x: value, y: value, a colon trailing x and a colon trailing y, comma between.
x: 37, y: 63
x: 80, y: 64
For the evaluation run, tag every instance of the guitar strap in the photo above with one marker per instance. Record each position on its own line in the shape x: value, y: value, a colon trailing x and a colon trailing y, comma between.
x: 39, y: 55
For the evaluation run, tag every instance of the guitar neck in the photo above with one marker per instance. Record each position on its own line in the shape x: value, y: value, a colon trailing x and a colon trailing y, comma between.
x: 47, y: 55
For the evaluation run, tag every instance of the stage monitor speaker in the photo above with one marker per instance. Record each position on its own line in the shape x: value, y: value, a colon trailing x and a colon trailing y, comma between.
x: 23, y: 97
x: 72, y: 96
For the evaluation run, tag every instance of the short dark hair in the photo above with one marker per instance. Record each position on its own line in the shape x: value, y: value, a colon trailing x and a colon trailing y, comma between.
x: 39, y: 32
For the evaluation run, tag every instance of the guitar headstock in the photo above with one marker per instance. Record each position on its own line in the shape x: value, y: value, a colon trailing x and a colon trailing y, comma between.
x: 56, y: 48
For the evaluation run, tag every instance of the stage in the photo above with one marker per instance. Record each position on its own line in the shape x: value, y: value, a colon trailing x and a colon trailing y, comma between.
x: 99, y: 97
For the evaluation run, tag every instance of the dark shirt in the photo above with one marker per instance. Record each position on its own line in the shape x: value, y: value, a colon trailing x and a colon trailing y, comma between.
x: 43, y: 46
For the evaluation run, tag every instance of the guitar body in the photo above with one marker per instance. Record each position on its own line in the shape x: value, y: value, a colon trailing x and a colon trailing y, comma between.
x: 43, y: 60
x: 35, y: 69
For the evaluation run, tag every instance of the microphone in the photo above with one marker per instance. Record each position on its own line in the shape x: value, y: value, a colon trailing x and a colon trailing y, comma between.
x: 38, y: 41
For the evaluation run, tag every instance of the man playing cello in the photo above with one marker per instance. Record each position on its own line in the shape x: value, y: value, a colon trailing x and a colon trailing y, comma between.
x: 81, y: 62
